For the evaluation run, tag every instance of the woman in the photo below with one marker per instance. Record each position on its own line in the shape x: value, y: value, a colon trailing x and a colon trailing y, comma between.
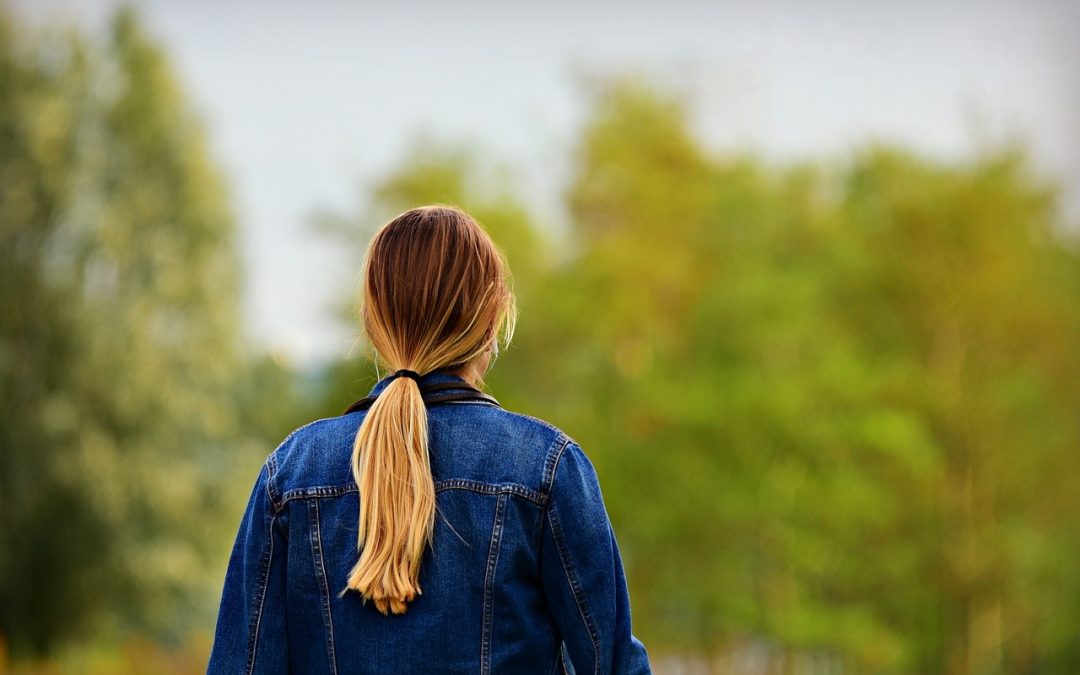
x: 331, y: 571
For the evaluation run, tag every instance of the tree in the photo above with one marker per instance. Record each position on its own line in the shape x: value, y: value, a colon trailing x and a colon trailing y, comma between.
x: 809, y: 392
x: 120, y: 344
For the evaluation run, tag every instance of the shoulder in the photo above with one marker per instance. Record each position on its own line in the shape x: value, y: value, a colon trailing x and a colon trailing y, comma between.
x: 532, y: 432
x: 496, y: 446
x: 314, y: 455
x: 547, y: 444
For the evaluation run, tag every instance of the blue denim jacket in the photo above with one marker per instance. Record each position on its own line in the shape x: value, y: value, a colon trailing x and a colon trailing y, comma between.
x: 524, y: 575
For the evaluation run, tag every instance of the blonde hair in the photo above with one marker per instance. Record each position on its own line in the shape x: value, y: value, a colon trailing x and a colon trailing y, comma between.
x: 436, y: 296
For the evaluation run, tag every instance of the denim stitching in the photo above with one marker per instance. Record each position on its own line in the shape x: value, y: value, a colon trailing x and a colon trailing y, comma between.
x: 260, y: 590
x: 440, y: 486
x: 320, y: 577
x: 489, y: 488
x: 552, y: 463
x: 493, y: 560
x: 575, y: 585
x: 484, y: 403
x: 319, y: 491
x: 271, y: 475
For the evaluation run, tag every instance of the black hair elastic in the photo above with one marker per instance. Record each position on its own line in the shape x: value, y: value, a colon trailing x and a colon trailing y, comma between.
x: 436, y: 393
x: 411, y: 374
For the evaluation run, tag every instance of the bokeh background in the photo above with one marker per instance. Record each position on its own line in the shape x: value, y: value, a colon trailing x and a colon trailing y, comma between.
x: 802, y: 278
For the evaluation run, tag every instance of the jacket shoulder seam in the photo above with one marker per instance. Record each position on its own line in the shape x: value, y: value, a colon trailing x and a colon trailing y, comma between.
x: 272, y: 491
x: 551, y: 463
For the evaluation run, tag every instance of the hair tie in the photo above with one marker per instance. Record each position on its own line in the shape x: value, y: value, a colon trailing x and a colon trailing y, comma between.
x: 411, y: 374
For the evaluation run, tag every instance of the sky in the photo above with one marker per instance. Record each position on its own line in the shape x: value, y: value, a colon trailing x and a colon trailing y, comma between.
x: 307, y: 104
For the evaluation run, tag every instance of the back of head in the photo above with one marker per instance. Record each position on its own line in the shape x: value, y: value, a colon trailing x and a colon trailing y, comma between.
x: 435, y: 296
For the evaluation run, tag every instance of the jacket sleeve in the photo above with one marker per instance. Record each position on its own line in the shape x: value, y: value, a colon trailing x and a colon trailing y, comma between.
x: 250, y: 635
x: 582, y: 572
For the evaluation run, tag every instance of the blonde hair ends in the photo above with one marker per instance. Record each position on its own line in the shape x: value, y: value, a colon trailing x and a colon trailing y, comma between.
x: 435, y: 296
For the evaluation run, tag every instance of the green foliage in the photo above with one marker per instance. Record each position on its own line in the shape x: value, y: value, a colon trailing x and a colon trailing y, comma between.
x: 119, y: 346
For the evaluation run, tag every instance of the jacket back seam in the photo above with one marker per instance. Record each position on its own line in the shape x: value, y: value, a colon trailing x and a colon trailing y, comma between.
x: 320, y: 578
x: 260, y: 593
x: 489, y: 583
x: 575, y: 584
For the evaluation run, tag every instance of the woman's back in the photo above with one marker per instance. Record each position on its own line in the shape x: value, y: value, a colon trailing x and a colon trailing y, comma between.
x: 522, y: 558
x: 427, y: 529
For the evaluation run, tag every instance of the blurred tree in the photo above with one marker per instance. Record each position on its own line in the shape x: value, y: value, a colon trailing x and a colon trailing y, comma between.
x: 57, y: 542
x: 120, y: 354
x: 830, y: 408
x: 974, y: 285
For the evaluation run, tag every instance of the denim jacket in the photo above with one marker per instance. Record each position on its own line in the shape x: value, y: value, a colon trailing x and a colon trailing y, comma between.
x: 524, y: 574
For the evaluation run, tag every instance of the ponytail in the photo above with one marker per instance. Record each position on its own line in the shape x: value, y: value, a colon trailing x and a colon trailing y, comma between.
x: 397, y: 497
x: 435, y: 296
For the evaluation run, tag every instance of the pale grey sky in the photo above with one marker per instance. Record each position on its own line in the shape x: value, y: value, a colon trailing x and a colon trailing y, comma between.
x: 307, y: 103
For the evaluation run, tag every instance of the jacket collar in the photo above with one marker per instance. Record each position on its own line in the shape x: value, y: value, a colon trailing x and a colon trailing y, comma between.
x: 436, y: 387
x: 434, y: 377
